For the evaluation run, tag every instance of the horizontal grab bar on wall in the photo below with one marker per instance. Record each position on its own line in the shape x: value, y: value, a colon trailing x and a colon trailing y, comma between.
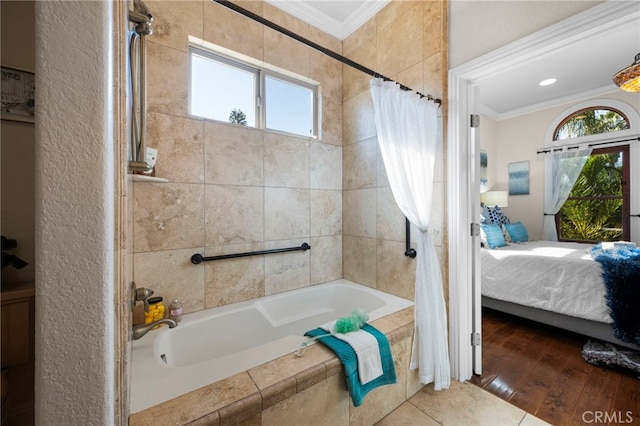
x: 198, y: 258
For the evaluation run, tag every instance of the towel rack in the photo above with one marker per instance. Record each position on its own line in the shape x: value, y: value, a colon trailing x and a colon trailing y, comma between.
x: 198, y: 258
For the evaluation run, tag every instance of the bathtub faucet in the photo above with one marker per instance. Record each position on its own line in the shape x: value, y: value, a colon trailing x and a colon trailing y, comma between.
x: 142, y: 329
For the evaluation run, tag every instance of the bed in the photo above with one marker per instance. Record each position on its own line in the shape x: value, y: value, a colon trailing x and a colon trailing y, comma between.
x: 555, y: 283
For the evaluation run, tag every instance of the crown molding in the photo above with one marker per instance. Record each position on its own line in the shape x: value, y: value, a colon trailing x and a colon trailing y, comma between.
x: 338, y: 29
x: 591, y: 22
x: 576, y: 97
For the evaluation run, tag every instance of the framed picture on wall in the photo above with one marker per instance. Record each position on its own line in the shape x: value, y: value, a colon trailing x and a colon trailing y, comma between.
x: 18, y: 95
x: 519, y: 178
x: 484, y: 179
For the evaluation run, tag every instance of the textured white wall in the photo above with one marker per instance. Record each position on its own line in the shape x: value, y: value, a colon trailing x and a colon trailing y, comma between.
x: 477, y: 27
x: 74, y: 383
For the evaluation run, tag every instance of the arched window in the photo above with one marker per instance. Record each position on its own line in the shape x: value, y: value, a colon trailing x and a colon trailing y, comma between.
x: 597, y: 208
x: 591, y: 121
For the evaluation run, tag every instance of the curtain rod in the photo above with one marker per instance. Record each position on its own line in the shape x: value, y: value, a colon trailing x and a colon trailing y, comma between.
x: 573, y: 146
x: 322, y: 49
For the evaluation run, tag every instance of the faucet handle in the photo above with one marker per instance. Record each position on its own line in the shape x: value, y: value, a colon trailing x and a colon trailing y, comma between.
x: 142, y: 294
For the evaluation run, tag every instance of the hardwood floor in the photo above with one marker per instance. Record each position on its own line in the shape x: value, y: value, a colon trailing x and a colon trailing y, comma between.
x: 540, y: 369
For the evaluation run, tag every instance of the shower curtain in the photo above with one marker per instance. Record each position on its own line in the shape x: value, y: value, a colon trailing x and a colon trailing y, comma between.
x: 561, y: 172
x: 409, y: 135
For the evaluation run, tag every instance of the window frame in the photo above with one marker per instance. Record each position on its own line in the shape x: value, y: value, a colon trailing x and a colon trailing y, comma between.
x: 590, y: 108
x: 261, y: 71
x: 626, y: 194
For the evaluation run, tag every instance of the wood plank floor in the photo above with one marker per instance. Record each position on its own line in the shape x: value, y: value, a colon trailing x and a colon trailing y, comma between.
x: 540, y: 369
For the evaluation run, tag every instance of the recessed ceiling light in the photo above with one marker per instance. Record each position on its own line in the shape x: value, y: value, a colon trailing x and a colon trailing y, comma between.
x: 547, y: 82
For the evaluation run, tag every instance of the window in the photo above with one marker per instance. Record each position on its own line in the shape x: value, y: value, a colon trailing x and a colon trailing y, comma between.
x: 598, y: 206
x: 591, y: 121
x: 228, y: 90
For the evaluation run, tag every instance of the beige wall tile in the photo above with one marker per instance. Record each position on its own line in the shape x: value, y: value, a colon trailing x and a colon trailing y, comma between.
x: 229, y: 29
x: 396, y: 273
x: 180, y: 145
x: 167, y: 77
x: 326, y: 166
x: 365, y: 32
x: 355, y: 81
x: 359, y: 260
x: 390, y: 222
x: 392, y: 11
x: 331, y: 121
x: 325, y: 212
x: 286, y: 161
x: 358, y: 121
x: 323, y: 39
x: 433, y: 76
x: 326, y: 401
x: 233, y: 280
x: 326, y: 259
x: 381, y: 176
x: 174, y: 21
x: 360, y: 164
x: 433, y: 28
x: 285, y: 52
x: 400, y: 44
x: 233, y: 154
x: 359, y: 212
x: 383, y: 400
x: 412, y: 77
x: 286, y: 213
x: 327, y: 71
x: 171, y: 274
x: 167, y: 216
x: 286, y: 271
x: 233, y: 214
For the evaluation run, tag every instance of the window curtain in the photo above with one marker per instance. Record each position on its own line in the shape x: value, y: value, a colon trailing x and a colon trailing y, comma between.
x: 409, y: 135
x: 561, y: 172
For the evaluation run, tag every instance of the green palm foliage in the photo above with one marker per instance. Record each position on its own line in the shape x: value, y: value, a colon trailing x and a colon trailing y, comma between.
x: 593, y: 211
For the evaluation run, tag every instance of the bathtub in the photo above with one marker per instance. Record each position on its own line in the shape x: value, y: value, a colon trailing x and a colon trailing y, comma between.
x: 213, y: 344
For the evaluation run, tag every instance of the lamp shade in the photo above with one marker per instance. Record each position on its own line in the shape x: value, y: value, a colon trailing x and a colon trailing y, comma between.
x: 495, y: 198
x: 629, y: 78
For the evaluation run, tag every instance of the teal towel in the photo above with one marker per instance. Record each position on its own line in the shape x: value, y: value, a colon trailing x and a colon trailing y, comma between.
x: 348, y: 357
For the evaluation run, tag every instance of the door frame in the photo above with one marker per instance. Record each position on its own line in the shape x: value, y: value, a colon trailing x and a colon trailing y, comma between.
x: 461, y: 156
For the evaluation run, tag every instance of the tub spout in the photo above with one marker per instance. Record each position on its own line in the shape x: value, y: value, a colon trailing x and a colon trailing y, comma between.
x: 142, y: 329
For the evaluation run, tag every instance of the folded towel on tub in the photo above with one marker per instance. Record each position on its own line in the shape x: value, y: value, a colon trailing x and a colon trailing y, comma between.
x: 367, y: 352
x: 349, y: 360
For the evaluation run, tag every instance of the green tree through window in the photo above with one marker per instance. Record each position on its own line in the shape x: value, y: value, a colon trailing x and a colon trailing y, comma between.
x: 596, y: 209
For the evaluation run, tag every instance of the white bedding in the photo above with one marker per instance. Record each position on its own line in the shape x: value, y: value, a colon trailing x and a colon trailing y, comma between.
x: 555, y: 276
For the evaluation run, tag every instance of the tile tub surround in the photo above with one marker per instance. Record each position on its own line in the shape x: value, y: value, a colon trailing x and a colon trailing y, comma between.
x: 290, y: 390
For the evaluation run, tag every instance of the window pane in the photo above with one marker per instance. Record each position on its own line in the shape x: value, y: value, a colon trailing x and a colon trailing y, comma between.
x: 591, y: 220
x: 289, y: 107
x: 591, y: 122
x: 222, y: 92
x: 600, y: 176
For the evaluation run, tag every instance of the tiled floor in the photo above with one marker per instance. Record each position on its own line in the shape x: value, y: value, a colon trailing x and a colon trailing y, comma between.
x: 461, y: 404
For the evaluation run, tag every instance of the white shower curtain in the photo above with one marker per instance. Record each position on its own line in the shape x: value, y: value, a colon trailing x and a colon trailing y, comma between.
x: 410, y: 135
x: 561, y: 172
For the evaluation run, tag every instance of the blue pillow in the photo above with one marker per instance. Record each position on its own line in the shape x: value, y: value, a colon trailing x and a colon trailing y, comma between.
x: 517, y: 232
x: 495, y: 237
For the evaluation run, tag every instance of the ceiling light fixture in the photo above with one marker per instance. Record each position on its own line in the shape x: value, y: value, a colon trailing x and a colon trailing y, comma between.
x: 547, y: 82
x: 629, y: 78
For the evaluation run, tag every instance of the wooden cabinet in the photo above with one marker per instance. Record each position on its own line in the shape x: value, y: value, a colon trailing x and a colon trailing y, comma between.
x: 18, y: 312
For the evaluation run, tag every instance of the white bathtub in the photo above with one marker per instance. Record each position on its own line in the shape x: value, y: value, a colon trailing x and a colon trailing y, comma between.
x: 211, y: 345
